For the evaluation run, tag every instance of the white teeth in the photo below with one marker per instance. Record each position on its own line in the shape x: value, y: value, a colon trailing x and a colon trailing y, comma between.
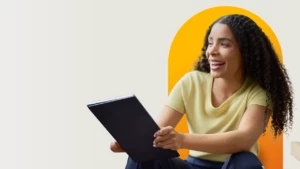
x: 216, y: 63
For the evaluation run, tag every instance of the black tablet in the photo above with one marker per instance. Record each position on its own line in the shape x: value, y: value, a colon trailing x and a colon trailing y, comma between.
x: 128, y: 122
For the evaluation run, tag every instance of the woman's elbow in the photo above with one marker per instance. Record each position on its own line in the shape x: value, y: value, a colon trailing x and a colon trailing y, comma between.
x: 246, y: 149
x: 246, y: 146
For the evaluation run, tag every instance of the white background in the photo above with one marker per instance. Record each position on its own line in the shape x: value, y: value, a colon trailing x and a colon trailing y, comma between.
x: 59, y: 55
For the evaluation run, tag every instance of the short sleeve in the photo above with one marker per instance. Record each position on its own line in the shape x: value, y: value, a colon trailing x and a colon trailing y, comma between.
x: 258, y: 96
x: 179, y: 93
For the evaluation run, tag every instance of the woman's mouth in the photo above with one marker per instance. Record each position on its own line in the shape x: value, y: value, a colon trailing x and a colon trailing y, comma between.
x: 216, y: 65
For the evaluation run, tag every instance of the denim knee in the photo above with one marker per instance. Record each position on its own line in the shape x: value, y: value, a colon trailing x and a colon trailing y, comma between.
x: 243, y: 160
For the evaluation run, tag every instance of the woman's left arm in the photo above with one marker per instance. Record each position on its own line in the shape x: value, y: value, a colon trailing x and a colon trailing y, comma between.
x: 250, y: 129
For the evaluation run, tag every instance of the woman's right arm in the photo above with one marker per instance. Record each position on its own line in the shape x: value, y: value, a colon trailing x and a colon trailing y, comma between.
x: 168, y: 117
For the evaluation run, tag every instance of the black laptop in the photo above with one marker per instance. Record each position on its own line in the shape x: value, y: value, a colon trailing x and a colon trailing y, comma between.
x: 131, y: 126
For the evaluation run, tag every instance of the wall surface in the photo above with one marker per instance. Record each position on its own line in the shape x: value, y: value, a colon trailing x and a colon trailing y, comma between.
x: 57, y: 56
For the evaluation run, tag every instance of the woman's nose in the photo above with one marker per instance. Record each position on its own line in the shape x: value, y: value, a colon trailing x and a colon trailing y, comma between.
x: 212, y: 50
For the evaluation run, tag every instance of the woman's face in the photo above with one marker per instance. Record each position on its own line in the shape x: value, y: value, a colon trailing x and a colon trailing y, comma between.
x: 223, y: 53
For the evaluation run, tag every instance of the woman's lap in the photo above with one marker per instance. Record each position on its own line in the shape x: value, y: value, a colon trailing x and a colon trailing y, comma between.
x: 172, y: 163
x: 203, y: 164
x: 245, y: 160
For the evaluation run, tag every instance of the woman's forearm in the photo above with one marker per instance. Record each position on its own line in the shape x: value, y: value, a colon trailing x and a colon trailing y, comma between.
x: 221, y: 143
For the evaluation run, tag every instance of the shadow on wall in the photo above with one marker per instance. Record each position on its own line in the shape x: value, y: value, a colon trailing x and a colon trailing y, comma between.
x: 296, y: 150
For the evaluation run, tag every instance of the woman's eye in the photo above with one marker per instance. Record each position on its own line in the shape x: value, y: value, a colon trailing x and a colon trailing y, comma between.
x: 224, y: 44
x: 209, y: 44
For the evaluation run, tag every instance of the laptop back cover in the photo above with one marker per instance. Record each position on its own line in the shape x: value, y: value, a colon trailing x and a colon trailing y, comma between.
x: 132, y: 127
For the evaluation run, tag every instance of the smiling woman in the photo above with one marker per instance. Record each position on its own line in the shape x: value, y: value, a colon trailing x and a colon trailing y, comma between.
x: 186, y: 43
x: 237, y: 84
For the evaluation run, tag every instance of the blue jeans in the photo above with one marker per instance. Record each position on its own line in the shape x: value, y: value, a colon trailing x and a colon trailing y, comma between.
x: 242, y: 160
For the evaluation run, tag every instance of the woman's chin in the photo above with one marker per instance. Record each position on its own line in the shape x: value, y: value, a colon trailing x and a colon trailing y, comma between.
x: 215, y: 74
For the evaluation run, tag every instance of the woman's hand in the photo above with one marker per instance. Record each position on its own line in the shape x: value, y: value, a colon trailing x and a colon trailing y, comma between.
x: 168, y: 138
x: 115, y: 147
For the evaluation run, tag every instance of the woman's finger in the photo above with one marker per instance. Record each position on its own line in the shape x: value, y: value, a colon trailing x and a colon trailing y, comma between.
x: 163, y: 131
x: 166, y: 142
x: 164, y: 137
x: 168, y: 145
x: 115, y: 147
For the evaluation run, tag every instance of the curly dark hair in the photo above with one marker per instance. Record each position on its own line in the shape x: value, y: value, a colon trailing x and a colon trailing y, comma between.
x: 260, y: 62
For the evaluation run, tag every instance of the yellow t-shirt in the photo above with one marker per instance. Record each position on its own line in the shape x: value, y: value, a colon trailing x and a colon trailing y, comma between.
x: 192, y: 96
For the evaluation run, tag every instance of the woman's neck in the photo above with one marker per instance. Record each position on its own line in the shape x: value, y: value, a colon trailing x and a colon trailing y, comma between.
x: 227, y: 86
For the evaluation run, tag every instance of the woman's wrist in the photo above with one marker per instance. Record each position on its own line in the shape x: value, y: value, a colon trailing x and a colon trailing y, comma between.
x: 183, y: 138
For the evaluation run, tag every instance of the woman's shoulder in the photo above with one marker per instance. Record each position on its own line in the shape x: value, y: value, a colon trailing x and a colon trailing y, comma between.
x: 253, y: 85
x: 254, y: 89
x: 258, y: 95
x: 194, y: 79
x: 196, y: 74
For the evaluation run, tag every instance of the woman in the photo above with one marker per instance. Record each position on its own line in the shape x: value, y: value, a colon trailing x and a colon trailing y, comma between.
x: 237, y: 85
